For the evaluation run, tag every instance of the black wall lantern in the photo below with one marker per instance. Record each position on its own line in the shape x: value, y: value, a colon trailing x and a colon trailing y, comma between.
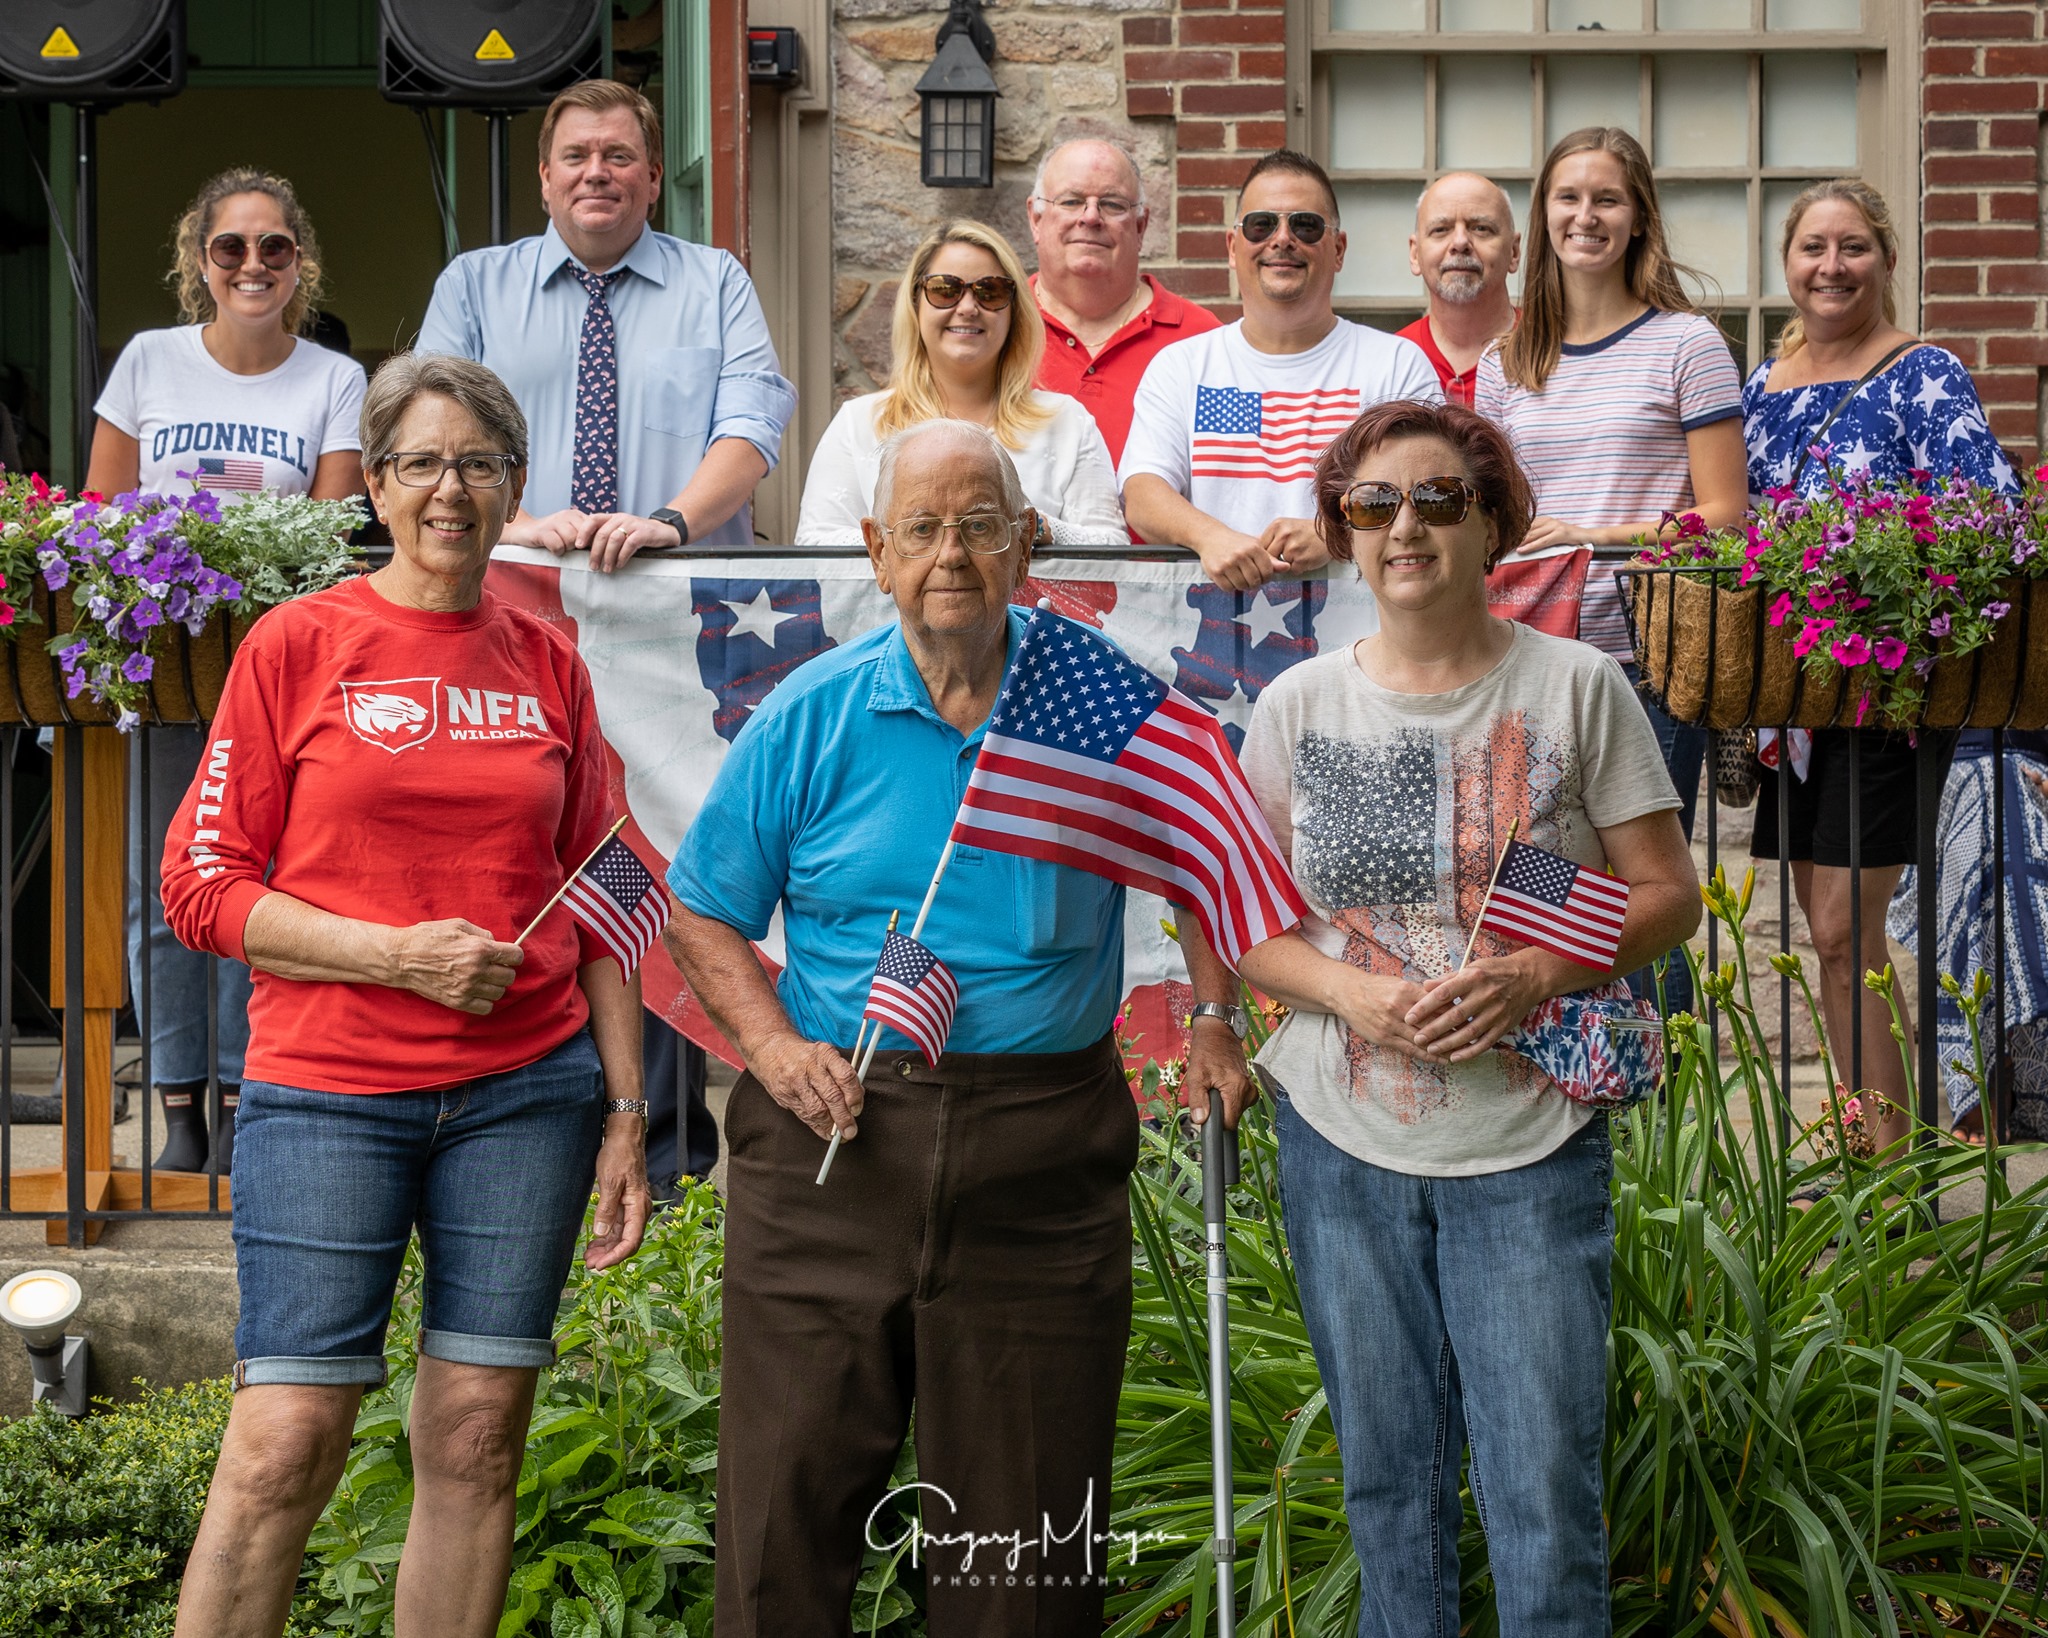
x: 957, y: 142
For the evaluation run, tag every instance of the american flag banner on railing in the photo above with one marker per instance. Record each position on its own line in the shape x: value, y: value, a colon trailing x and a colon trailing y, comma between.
x: 1091, y: 761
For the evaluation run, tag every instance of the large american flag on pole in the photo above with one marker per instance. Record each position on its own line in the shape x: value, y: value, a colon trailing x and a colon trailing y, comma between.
x: 1091, y: 761
x: 914, y: 992
x: 618, y: 899
x: 1546, y: 899
x: 1276, y: 435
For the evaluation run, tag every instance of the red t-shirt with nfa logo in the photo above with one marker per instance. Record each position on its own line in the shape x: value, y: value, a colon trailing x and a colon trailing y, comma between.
x: 396, y: 766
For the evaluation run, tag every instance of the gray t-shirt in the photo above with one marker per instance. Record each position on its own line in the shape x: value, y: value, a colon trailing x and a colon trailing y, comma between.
x: 1392, y: 809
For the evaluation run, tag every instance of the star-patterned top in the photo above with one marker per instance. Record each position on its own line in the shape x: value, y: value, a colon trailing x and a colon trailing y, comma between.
x: 1920, y: 412
x: 1073, y: 691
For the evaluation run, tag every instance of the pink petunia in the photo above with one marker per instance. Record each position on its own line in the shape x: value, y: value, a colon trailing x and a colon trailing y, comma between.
x: 1781, y: 608
x: 1822, y: 598
x: 1809, y: 634
x: 1853, y: 649
x: 1943, y: 580
x: 1813, y: 558
x: 1890, y: 652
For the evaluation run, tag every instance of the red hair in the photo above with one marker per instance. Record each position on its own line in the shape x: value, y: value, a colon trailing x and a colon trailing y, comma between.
x: 1490, y: 467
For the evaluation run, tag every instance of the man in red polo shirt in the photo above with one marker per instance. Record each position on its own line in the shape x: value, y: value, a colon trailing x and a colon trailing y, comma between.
x: 1104, y: 321
x: 1463, y: 249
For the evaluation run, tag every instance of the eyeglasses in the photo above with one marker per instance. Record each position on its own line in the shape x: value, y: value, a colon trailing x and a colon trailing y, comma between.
x: 1436, y: 500
x: 983, y: 533
x: 1111, y: 207
x: 1305, y: 227
x: 992, y: 293
x: 416, y: 469
x: 275, y: 251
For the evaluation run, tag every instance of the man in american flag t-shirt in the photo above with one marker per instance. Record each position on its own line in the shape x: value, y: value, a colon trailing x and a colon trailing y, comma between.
x: 1227, y: 425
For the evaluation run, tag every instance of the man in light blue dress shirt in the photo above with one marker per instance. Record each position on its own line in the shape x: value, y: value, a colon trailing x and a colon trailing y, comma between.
x: 654, y: 416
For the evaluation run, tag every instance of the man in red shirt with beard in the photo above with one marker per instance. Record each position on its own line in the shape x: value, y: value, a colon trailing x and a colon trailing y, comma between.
x: 1104, y: 320
x: 1463, y: 249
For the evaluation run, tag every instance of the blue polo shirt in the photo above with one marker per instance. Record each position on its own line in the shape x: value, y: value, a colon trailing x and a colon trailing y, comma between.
x: 835, y: 801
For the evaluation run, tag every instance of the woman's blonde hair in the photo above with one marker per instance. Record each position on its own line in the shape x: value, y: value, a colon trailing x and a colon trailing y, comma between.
x: 1875, y: 211
x: 913, y: 393
x: 189, y: 238
x: 1531, y: 350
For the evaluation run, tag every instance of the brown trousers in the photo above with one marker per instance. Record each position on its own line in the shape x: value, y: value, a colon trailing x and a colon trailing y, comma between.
x: 971, y: 1252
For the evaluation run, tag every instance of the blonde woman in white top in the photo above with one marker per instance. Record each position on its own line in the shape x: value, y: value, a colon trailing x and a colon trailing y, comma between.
x: 966, y: 341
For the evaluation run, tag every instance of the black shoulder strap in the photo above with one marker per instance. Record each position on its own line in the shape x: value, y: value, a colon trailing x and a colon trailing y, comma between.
x: 1820, y: 432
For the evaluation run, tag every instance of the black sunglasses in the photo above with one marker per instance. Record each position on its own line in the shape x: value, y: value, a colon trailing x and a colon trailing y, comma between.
x: 1436, y: 500
x: 276, y: 251
x: 992, y: 293
x: 1305, y: 227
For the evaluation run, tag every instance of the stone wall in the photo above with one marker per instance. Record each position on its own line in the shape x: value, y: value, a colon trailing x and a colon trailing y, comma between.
x: 1059, y: 65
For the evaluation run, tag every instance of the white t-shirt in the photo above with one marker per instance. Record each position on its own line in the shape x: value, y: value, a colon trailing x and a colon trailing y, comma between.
x: 1392, y: 809
x: 1237, y: 431
x: 1065, y: 470
x: 233, y: 434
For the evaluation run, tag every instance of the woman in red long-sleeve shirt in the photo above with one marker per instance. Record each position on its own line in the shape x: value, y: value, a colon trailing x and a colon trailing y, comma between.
x: 403, y: 769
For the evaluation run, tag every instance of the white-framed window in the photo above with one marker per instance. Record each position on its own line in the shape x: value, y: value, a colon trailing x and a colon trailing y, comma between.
x: 1740, y: 103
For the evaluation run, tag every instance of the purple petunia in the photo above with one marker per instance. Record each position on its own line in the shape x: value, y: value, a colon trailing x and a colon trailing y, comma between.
x: 1997, y: 611
x: 1938, y: 626
x: 138, y: 668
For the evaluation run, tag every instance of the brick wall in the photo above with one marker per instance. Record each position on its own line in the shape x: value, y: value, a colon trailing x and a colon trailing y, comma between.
x: 1984, y: 280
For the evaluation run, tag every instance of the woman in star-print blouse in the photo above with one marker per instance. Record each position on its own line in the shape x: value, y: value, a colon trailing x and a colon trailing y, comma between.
x: 1917, y: 414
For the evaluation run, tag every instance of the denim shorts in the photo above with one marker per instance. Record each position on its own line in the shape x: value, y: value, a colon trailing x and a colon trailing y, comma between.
x: 329, y: 1186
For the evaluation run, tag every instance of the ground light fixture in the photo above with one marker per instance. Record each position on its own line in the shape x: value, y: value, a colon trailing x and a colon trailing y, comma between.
x: 38, y: 1305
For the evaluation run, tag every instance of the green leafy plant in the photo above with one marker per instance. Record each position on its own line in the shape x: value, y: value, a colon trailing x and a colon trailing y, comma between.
x: 96, y: 1515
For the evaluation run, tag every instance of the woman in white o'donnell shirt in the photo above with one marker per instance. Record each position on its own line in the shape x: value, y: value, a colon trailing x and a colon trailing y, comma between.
x: 966, y: 340
x: 234, y: 401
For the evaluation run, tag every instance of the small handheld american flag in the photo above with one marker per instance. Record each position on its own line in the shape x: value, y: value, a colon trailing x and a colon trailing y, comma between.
x: 1545, y: 899
x: 618, y: 899
x: 915, y: 992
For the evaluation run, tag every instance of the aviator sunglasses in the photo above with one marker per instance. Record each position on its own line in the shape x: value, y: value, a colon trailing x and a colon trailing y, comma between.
x: 276, y: 251
x: 1305, y: 227
x: 992, y: 292
x: 1436, y: 500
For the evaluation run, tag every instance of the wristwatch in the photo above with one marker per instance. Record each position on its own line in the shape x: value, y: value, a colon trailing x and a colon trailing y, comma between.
x: 1240, y: 1025
x: 674, y: 519
x: 626, y: 1106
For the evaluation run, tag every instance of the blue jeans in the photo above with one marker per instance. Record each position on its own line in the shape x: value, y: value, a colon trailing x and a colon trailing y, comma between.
x: 1448, y: 1309
x: 1685, y: 759
x: 329, y: 1186
x: 177, y: 976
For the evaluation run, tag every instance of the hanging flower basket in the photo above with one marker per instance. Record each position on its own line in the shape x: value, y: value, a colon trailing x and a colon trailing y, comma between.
x: 129, y: 611
x: 1869, y: 605
x: 1710, y: 657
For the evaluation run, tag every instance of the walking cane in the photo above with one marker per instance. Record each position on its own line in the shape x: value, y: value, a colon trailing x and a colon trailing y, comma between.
x: 1219, y: 1171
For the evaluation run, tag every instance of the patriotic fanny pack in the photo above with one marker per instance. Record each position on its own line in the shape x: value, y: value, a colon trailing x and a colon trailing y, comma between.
x: 1603, y: 1047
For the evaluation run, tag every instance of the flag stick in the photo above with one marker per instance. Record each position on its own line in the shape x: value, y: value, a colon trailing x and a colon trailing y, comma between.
x: 566, y: 880
x: 1513, y: 825
x: 859, y: 1035
x: 860, y: 1071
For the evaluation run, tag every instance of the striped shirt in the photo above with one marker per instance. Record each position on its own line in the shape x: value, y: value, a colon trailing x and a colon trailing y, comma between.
x: 1237, y: 431
x: 1604, y: 442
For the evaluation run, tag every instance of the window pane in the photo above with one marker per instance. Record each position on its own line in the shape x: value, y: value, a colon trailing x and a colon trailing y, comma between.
x: 1567, y: 15
x: 1378, y: 217
x: 1376, y: 113
x: 1462, y: 15
x: 1483, y: 111
x: 1700, y: 107
x: 1810, y: 110
x: 1770, y: 232
x: 1790, y: 14
x: 1581, y: 91
x: 1708, y: 226
x: 1378, y: 16
x: 1676, y: 14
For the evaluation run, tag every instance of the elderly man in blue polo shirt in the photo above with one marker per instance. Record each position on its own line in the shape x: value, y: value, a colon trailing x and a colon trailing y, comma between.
x: 642, y: 361
x: 971, y: 1248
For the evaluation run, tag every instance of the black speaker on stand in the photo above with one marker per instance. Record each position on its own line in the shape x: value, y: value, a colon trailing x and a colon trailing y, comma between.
x: 91, y: 54
x: 495, y: 56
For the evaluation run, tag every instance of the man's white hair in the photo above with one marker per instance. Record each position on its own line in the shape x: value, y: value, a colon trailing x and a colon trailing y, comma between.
x: 1123, y: 153
x: 976, y: 442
